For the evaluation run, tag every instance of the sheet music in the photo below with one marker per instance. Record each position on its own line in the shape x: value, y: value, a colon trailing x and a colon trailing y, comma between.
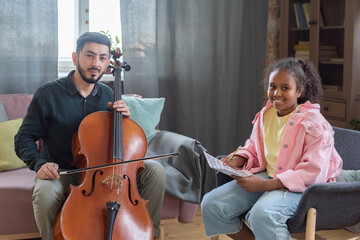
x: 218, y: 165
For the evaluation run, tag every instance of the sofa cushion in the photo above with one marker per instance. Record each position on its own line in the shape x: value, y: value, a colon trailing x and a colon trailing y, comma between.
x: 146, y: 112
x: 16, y: 105
x: 349, y: 176
x: 3, y: 115
x: 16, y: 210
x: 8, y: 158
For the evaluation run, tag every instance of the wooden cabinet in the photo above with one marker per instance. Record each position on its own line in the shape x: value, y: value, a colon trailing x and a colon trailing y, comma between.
x: 332, y: 25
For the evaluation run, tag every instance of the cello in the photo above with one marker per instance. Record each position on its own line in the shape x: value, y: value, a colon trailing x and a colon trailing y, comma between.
x: 106, y: 204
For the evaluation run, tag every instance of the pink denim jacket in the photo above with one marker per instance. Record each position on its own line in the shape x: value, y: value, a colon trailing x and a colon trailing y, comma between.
x: 307, y: 155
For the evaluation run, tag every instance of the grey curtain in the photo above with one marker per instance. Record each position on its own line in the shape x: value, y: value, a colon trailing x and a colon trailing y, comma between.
x: 206, y: 57
x: 28, y: 44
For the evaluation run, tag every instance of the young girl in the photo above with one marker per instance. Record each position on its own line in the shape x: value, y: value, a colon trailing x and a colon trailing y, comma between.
x: 291, y: 147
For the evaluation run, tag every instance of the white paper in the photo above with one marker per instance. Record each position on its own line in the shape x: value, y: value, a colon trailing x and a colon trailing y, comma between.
x: 219, y: 166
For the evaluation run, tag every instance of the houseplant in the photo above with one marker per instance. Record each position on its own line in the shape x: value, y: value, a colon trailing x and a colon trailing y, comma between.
x: 355, y: 123
x: 115, y: 41
x: 115, y: 47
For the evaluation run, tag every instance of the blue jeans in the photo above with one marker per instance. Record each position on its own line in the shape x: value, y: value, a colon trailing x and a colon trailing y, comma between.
x: 267, y: 212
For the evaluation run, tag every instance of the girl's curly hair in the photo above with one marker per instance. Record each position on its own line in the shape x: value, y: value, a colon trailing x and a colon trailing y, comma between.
x: 305, y: 75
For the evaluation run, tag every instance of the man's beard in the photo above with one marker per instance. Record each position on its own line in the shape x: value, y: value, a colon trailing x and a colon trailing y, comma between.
x: 92, y: 79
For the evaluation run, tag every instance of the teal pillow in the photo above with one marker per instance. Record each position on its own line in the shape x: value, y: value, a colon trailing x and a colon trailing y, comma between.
x: 349, y: 176
x: 3, y: 115
x: 146, y: 112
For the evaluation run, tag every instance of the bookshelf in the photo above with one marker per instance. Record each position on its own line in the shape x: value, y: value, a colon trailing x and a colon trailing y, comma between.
x: 330, y: 39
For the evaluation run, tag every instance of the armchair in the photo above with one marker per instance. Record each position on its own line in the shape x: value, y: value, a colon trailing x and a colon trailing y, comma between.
x: 325, y: 206
x: 332, y: 205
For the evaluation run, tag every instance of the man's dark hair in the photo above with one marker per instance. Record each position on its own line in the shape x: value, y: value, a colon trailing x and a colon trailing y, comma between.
x: 92, y: 37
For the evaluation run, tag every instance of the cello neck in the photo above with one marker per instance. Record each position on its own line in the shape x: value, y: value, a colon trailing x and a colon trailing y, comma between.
x: 117, y: 129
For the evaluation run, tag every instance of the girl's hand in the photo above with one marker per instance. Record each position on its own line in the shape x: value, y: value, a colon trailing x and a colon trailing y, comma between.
x: 235, y: 162
x: 256, y: 184
x: 251, y: 183
x: 120, y: 106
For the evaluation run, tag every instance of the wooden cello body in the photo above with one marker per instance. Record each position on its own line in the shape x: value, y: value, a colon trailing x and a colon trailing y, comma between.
x: 106, y: 204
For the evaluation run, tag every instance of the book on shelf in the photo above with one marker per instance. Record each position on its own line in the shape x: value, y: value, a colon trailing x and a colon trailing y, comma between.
x: 303, y: 14
x: 307, y: 47
x: 296, y: 16
x: 337, y: 60
x: 307, y: 10
x: 304, y: 57
x: 326, y: 54
x: 303, y: 42
x: 331, y: 87
x: 301, y: 47
x: 300, y: 15
x: 325, y: 58
x: 302, y: 52
x: 321, y: 20
x: 327, y: 47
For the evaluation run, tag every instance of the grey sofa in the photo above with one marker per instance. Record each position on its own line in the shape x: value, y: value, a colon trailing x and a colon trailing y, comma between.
x: 336, y: 205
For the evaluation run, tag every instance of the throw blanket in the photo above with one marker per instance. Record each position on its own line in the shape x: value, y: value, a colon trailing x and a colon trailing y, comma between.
x: 188, y: 176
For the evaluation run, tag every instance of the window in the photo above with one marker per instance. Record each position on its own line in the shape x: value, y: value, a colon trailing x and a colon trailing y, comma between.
x: 78, y: 16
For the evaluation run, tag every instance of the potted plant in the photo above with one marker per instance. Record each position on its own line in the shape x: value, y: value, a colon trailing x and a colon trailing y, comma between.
x: 355, y: 123
x: 115, y: 41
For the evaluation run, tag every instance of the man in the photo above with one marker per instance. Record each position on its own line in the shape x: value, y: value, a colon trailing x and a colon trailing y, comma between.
x: 54, y: 115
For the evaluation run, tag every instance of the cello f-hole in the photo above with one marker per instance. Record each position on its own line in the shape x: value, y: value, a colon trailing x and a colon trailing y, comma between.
x: 129, y: 192
x: 92, y: 183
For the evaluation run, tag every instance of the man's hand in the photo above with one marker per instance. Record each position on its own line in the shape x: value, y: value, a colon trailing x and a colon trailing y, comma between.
x: 48, y: 171
x: 120, y: 106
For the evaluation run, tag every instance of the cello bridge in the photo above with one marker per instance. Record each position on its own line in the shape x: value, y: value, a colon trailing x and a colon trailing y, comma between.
x: 117, y: 180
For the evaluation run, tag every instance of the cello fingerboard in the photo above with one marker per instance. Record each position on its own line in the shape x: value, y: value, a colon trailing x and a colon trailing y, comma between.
x: 117, y: 132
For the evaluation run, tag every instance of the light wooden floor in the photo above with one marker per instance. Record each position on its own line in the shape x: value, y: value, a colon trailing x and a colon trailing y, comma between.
x: 195, y: 231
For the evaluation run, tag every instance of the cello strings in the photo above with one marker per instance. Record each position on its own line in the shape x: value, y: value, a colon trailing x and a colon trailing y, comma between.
x: 117, y: 171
